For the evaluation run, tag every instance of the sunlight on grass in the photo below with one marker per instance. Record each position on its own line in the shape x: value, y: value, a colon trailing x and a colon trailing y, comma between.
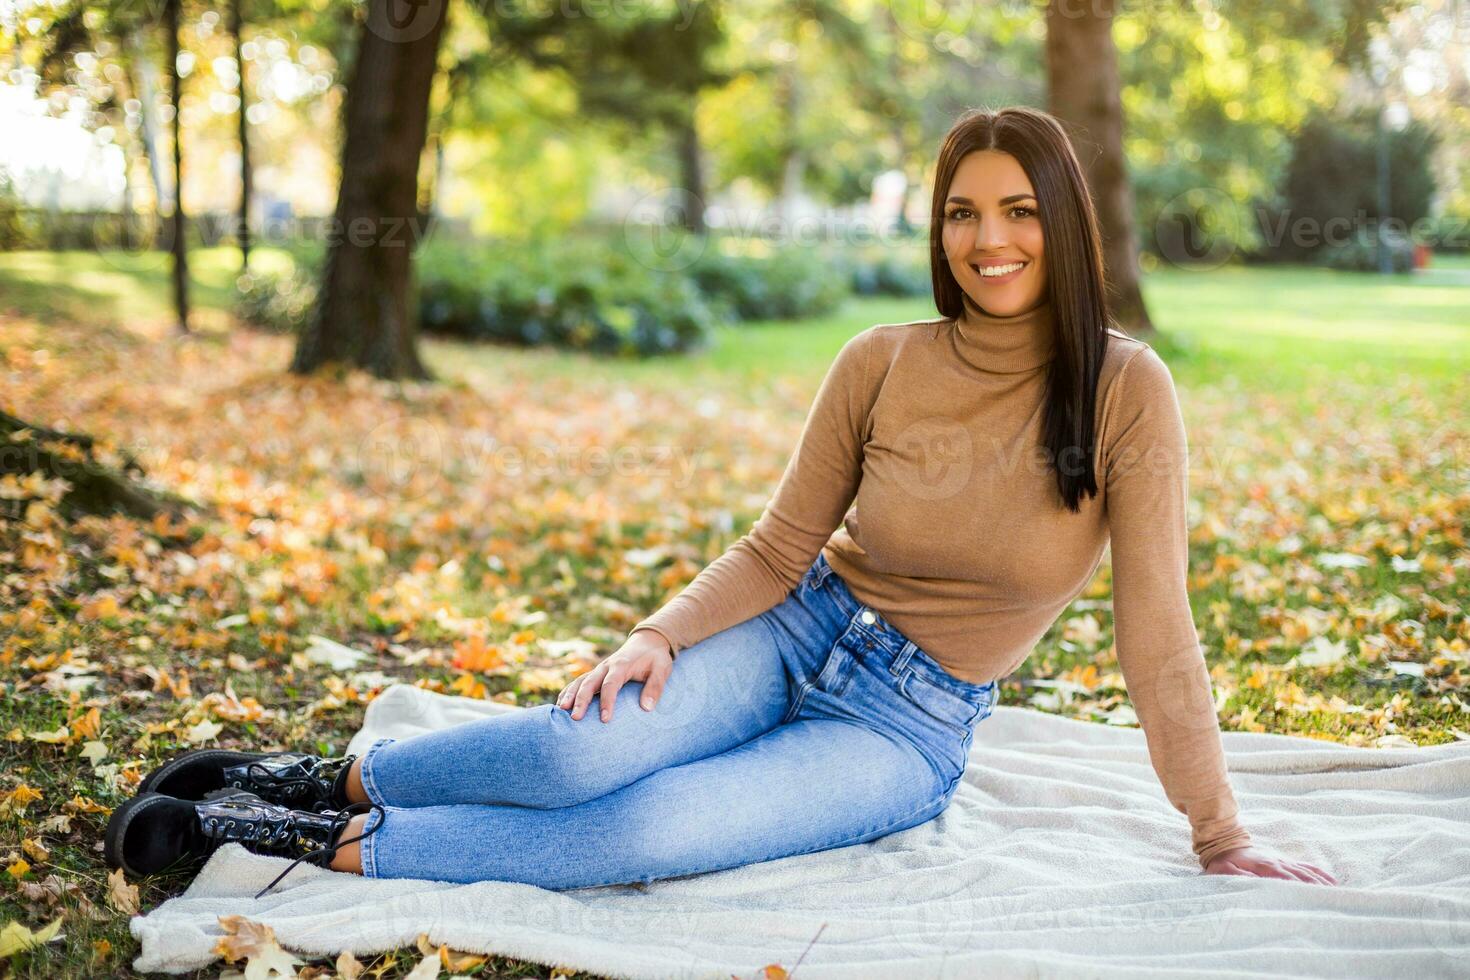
x: 1281, y: 321
x: 119, y: 286
x: 1262, y: 326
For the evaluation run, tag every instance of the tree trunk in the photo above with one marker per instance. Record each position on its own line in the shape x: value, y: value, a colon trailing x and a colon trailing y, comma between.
x: 146, y: 92
x: 691, y: 173
x: 1085, y: 94
x: 95, y: 488
x: 363, y: 315
x: 180, y: 244
x: 793, y: 166
x: 242, y: 235
x: 899, y: 131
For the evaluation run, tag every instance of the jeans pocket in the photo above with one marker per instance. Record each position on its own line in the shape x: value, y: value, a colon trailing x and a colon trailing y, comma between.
x: 830, y: 679
x: 836, y: 672
x: 945, y: 707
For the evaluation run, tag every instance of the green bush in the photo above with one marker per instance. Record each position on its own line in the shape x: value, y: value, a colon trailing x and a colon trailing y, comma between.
x: 1448, y: 233
x: 277, y: 303
x: 1333, y: 178
x: 587, y: 292
x: 12, y: 233
x: 889, y: 276
x: 786, y: 284
x: 577, y: 296
x: 1361, y: 253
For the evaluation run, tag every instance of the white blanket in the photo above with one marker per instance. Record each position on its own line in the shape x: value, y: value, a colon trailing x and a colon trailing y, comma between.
x: 1059, y: 856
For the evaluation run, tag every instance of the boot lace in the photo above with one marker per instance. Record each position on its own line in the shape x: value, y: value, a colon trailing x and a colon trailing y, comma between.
x: 323, y: 855
x: 301, y: 782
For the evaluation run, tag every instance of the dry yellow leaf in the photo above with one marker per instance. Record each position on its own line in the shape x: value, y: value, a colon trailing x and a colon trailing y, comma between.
x: 466, y: 686
x: 56, y: 737
x: 348, y: 968
x: 89, y: 725
x: 94, y: 752
x: 451, y: 960
x: 82, y: 804
x: 15, y: 938
x: 16, y: 801
x: 121, y: 895
x: 102, y: 607
x: 57, y: 823
x: 254, y: 942
x: 203, y: 732
x: 457, y: 962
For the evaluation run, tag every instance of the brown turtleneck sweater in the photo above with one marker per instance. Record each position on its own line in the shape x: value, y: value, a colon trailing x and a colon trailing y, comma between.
x: 930, y: 432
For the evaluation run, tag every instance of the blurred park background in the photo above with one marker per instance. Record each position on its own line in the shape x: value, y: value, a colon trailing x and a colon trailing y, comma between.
x: 353, y: 343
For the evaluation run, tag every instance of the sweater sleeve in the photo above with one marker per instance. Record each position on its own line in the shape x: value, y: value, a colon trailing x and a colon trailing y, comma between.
x: 1147, y: 474
x: 820, y: 480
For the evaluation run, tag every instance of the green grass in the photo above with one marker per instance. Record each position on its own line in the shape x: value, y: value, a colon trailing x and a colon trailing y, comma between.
x: 120, y: 287
x: 1271, y: 323
x: 1263, y: 326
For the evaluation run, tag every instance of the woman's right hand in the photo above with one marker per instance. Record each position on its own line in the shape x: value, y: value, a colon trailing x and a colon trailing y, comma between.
x: 645, y: 656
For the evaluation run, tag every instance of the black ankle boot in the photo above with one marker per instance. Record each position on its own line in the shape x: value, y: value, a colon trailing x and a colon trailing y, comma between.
x: 294, y: 779
x: 152, y: 832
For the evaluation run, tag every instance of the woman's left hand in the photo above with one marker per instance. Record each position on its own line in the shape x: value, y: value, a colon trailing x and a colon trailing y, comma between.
x: 1254, y: 863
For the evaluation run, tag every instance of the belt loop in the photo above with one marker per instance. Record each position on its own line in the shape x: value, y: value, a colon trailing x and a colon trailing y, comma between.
x: 903, y: 656
x: 823, y: 570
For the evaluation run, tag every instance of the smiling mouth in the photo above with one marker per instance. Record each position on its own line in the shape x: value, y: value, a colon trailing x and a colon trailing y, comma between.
x: 998, y: 271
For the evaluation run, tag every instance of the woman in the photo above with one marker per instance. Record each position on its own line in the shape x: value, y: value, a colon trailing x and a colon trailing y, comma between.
x: 818, y: 685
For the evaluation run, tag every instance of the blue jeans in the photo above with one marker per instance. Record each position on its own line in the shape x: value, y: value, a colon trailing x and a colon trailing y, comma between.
x: 813, y: 725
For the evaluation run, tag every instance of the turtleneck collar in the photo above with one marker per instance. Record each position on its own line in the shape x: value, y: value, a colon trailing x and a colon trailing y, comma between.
x: 1005, y: 344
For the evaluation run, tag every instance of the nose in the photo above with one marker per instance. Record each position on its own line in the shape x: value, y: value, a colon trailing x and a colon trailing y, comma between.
x: 992, y: 235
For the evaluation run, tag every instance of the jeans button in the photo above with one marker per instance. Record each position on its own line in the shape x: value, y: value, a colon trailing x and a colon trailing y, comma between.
x: 868, y: 617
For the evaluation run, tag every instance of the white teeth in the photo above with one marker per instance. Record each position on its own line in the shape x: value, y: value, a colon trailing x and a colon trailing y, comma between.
x: 998, y: 270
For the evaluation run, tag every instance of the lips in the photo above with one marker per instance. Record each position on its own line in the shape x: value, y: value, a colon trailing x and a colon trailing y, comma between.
x: 1017, y: 267
x: 980, y: 270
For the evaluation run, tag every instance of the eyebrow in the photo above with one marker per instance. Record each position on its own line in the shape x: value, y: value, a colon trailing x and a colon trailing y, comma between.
x: 1004, y: 200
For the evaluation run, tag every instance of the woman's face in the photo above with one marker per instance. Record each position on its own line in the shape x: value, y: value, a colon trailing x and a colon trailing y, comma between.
x: 991, y: 223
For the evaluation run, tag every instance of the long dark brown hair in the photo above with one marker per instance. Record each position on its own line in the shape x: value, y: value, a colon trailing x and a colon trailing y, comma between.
x: 1074, y: 283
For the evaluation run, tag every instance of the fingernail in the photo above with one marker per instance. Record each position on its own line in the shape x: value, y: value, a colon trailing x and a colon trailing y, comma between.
x: 648, y: 702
